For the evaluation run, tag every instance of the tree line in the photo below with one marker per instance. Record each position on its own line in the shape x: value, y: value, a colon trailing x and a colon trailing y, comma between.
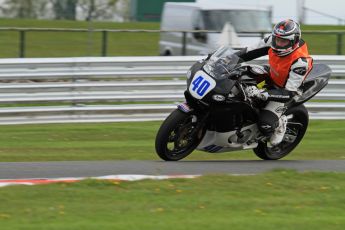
x: 66, y: 9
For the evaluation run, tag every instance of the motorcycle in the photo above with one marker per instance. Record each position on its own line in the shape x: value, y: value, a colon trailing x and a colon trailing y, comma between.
x: 218, y: 116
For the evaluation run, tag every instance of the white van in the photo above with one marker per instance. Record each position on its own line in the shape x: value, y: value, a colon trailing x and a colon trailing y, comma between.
x: 196, y: 16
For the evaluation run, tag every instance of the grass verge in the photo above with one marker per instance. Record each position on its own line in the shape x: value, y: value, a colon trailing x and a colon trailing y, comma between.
x: 135, y: 141
x: 276, y: 200
x: 74, y: 44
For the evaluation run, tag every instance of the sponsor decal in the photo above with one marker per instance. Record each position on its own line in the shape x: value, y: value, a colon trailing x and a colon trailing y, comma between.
x: 280, y: 96
x: 300, y: 70
x: 218, y: 97
x: 281, y: 109
x: 257, y: 70
x: 212, y: 148
x: 266, y: 126
x: 184, y: 107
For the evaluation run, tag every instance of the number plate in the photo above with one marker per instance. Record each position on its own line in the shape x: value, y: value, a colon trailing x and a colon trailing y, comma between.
x: 201, y: 85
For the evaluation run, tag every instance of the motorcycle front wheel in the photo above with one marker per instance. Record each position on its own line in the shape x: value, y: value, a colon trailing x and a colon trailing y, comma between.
x: 296, y: 127
x: 178, y: 136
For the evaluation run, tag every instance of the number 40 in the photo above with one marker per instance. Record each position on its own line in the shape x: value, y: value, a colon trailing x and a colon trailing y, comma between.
x: 200, y: 85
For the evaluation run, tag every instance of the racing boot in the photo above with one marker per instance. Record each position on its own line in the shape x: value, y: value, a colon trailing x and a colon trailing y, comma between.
x: 279, y: 132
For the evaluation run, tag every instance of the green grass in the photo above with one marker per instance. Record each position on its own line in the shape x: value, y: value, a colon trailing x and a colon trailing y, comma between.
x: 277, y: 200
x: 322, y: 44
x: 69, y: 44
x: 65, y: 44
x: 135, y: 141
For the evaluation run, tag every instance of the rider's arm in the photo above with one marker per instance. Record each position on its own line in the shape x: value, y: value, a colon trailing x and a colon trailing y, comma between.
x: 298, y: 72
x: 253, y: 52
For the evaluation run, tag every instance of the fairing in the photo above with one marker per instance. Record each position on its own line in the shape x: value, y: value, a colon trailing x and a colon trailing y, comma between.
x: 316, y: 80
x: 221, y: 66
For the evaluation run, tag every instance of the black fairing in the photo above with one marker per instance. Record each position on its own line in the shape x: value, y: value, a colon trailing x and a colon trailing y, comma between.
x: 232, y: 116
x: 316, y: 80
x: 224, y: 86
x: 195, y: 68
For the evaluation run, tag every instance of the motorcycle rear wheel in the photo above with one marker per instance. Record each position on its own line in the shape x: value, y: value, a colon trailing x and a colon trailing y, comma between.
x: 178, y: 136
x: 297, y: 125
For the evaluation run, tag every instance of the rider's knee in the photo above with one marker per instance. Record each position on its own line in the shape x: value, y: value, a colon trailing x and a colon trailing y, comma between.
x: 268, y: 122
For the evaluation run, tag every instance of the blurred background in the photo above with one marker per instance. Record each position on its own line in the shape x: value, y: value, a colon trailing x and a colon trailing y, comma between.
x: 74, y: 28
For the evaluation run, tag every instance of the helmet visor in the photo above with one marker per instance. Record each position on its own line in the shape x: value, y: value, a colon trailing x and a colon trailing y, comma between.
x: 280, y: 43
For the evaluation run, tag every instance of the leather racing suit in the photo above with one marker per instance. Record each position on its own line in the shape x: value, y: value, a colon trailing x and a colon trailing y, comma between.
x: 286, y: 76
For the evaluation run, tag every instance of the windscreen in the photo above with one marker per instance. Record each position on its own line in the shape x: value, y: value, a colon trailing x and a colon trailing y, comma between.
x: 222, y: 62
x: 242, y: 20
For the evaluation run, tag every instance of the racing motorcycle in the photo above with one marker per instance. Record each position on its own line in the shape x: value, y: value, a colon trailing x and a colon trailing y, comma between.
x: 218, y: 116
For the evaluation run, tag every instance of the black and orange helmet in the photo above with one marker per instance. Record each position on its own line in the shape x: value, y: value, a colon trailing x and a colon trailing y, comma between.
x: 285, y: 37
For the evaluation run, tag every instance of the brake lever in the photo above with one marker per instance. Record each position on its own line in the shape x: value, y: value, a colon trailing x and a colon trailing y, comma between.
x: 243, y: 92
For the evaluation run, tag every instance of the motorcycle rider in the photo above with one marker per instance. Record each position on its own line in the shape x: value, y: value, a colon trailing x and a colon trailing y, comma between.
x: 290, y: 63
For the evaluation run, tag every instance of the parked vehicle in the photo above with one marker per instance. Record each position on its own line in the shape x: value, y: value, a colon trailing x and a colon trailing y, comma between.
x: 218, y: 116
x: 195, y: 16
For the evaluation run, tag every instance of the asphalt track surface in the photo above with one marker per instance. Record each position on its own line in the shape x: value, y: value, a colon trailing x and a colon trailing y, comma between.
x: 21, y: 170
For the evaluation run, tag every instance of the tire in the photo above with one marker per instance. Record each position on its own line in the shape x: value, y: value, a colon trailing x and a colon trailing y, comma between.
x: 178, y: 136
x: 297, y: 125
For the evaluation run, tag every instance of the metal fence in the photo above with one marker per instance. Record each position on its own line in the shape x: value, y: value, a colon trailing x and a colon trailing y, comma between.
x: 106, y: 42
x: 59, y: 90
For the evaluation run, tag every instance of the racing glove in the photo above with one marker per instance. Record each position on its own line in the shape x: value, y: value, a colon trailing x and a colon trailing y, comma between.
x: 254, y: 92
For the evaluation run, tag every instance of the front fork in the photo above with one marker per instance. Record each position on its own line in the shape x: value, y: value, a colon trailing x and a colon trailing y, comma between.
x: 198, y: 120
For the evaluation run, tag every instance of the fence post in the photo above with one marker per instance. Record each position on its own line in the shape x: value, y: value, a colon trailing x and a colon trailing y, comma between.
x: 184, y: 43
x: 21, y: 43
x: 104, y: 43
x: 339, y: 43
